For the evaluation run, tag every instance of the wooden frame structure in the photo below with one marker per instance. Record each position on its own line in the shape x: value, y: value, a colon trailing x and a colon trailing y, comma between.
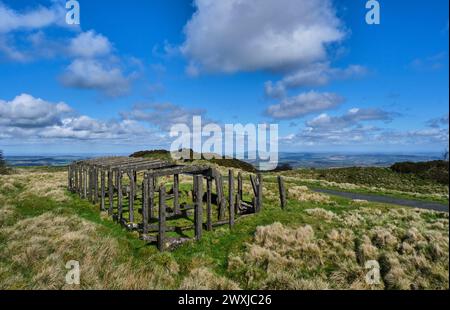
x: 101, y: 181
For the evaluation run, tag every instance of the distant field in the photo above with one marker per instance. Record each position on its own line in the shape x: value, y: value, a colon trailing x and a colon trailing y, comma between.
x: 318, y: 242
x: 372, y: 180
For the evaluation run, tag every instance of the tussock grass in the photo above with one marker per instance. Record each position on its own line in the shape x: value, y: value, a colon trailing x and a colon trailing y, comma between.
x: 318, y: 242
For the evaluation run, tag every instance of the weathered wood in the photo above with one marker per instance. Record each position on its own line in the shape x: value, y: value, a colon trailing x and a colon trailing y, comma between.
x: 110, y: 192
x: 85, y: 185
x: 176, y: 204
x: 119, y: 195
x: 231, y: 197
x: 95, y: 175
x: 102, y: 185
x: 208, y: 204
x: 282, y: 191
x: 198, y: 215
x: 151, y: 197
x: 162, y: 218
x: 145, y: 197
x: 259, y: 199
x: 220, y: 195
x: 240, y: 194
x: 131, y: 196
x: 254, y: 185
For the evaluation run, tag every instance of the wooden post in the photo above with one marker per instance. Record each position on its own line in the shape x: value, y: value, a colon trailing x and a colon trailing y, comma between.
x: 151, y: 197
x: 220, y: 195
x: 110, y: 192
x: 240, y: 194
x: 119, y: 195
x: 102, y: 185
x: 253, y: 181
x: 282, y: 191
x: 91, y: 184
x: 176, y: 205
x: 75, y: 178
x: 131, y: 197
x: 208, y: 204
x: 145, y: 204
x: 95, y: 175
x: 260, y: 193
x: 231, y: 197
x: 85, y: 182
x: 162, y: 218
x: 69, y: 178
x: 198, y: 215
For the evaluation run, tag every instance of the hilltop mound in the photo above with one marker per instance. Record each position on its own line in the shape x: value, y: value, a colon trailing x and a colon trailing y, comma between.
x: 436, y: 170
x: 224, y: 162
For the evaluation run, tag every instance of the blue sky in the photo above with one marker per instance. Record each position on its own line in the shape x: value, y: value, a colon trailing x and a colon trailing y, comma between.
x: 116, y: 82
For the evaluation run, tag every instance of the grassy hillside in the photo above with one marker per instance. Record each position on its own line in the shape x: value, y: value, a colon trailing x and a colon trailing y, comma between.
x: 317, y: 242
x: 224, y: 162
x: 373, y: 180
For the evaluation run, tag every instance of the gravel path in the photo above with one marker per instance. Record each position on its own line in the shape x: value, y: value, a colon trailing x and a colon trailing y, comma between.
x: 385, y: 199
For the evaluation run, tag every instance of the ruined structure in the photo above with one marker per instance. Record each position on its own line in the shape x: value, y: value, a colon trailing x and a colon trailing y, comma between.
x: 128, y: 189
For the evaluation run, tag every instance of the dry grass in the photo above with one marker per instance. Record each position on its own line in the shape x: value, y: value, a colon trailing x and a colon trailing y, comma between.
x: 410, y: 255
x: 204, y: 279
x: 302, y: 193
x: 38, y: 249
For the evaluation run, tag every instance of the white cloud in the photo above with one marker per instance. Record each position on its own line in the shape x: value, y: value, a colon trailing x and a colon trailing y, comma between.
x: 303, y: 104
x: 164, y: 115
x: 89, y: 44
x: 25, y: 111
x: 39, y: 17
x: 351, y: 118
x: 96, y: 75
x: 247, y: 35
x: 33, y: 119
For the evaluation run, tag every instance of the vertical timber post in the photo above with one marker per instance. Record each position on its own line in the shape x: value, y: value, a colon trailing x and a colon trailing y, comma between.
x: 145, y: 204
x: 102, y: 185
x: 131, y: 175
x: 151, y: 197
x: 208, y: 204
x: 282, y: 191
x: 176, y: 184
x: 110, y: 192
x: 260, y: 192
x: 162, y: 218
x: 119, y: 195
x: 198, y: 215
x: 231, y: 197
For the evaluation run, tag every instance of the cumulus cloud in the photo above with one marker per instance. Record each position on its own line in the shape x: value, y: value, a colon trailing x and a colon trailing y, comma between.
x: 89, y: 44
x: 37, y: 18
x: 246, y: 35
x: 163, y: 115
x: 27, y: 118
x: 304, y: 104
x: 353, y: 128
x: 351, y: 118
x: 25, y: 111
x: 96, y: 75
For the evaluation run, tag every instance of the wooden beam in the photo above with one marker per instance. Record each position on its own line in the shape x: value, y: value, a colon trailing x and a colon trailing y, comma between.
x: 119, y: 195
x: 131, y: 196
x: 282, y: 191
x: 145, y: 193
x: 231, y: 197
x: 151, y: 197
x: 176, y: 204
x: 208, y: 204
x: 260, y: 193
x: 198, y: 215
x: 110, y: 192
x: 162, y: 218
x: 102, y: 186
